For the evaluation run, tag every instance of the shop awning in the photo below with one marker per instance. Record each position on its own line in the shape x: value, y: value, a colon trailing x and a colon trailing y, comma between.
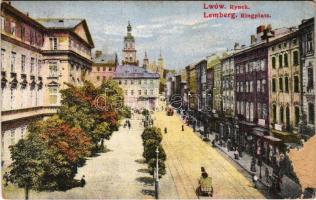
x: 271, y: 138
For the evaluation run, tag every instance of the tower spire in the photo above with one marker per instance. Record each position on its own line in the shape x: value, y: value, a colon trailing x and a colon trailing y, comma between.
x: 129, y: 27
x: 145, y: 61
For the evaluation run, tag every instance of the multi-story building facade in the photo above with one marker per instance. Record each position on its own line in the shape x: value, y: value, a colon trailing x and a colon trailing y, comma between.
x: 67, y: 55
x: 201, y: 67
x: 22, y: 74
x: 284, y: 83
x: 191, y: 76
x: 141, y: 88
x: 308, y: 75
x: 103, y: 67
x: 213, y: 62
x: 252, y: 98
x: 37, y: 58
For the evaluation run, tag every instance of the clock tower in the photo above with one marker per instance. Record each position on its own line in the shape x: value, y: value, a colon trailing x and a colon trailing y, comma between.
x: 129, y: 51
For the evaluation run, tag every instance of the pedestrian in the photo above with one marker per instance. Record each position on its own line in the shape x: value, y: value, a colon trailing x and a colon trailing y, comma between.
x: 6, y: 178
x: 229, y: 145
x: 182, y: 127
x: 254, y: 180
x: 236, y: 154
x: 82, y: 181
x: 266, y: 173
x: 129, y: 124
x: 165, y: 130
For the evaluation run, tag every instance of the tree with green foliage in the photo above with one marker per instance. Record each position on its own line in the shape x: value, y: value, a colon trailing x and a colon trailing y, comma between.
x: 150, y: 148
x: 48, y: 158
x: 152, y: 138
x: 152, y: 133
x: 25, y: 168
x: 96, y: 110
x: 152, y: 167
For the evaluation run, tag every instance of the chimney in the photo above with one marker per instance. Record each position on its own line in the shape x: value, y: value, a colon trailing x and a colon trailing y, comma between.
x: 260, y: 29
x: 236, y: 46
x: 98, y: 54
x: 253, y: 39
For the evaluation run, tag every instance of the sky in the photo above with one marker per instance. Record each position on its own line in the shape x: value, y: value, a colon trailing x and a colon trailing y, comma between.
x: 176, y: 28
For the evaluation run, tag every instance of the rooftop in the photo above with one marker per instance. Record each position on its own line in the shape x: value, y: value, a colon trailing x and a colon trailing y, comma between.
x: 131, y: 71
x: 58, y: 23
x: 105, y: 58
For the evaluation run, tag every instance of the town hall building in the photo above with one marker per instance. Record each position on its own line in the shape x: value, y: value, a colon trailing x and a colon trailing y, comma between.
x: 140, y: 87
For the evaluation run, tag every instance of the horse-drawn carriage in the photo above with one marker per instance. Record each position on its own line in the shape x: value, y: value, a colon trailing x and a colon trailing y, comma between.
x: 205, y: 187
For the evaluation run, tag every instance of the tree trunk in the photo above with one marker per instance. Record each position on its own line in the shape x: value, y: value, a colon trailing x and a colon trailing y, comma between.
x: 102, y: 144
x: 27, y: 192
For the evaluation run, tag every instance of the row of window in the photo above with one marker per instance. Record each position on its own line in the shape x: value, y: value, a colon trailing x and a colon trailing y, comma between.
x: 140, y: 92
x: 284, y: 115
x: 307, y: 43
x: 35, y: 64
x: 13, y: 136
x: 78, y: 46
x: 104, y: 69
x: 31, y: 35
x: 253, y: 66
x: 247, y: 109
x: 294, y: 42
x: 12, y: 98
x: 283, y: 60
x: 285, y: 80
x: 103, y: 78
x: 54, y: 45
x: 248, y: 86
x: 138, y: 81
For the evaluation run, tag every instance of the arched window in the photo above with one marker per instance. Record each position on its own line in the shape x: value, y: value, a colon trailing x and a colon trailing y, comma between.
x: 295, y: 58
x: 287, y: 115
x: 273, y: 62
x: 286, y: 62
x: 311, y: 115
x: 286, y: 84
x: 280, y: 61
x: 296, y: 84
x: 281, y: 115
x: 274, y: 108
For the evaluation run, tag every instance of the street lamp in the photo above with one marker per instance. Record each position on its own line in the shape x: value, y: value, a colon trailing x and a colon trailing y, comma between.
x: 157, y: 176
x: 189, y: 95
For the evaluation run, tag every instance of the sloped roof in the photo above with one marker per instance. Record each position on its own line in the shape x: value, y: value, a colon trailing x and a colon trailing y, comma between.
x: 57, y: 23
x: 105, y: 58
x: 130, y: 71
x: 67, y: 24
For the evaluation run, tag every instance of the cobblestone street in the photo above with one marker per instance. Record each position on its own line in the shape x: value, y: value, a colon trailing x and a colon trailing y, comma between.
x: 115, y: 174
x: 186, y: 153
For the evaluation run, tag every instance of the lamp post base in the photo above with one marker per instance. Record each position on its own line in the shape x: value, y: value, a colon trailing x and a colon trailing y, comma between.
x: 156, y: 189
